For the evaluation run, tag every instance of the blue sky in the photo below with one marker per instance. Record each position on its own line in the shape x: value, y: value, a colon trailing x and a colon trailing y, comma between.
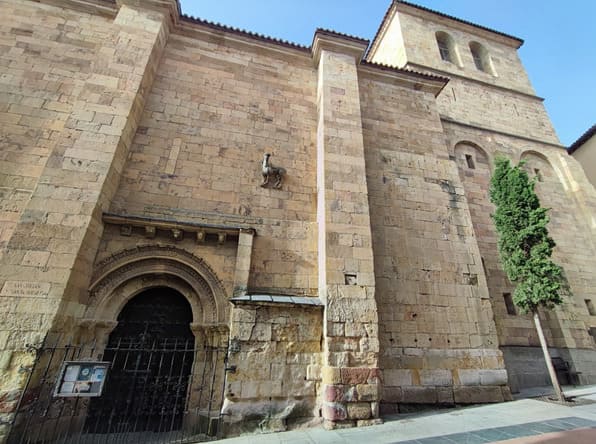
x: 559, y: 52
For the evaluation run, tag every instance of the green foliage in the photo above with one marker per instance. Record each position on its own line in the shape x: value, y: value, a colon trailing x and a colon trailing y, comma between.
x: 524, y: 245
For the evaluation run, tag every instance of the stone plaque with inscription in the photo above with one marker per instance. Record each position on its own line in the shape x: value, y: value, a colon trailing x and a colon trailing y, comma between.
x: 25, y: 289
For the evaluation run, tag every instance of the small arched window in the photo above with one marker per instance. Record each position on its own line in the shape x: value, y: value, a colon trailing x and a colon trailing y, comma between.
x: 481, y: 58
x: 446, y: 47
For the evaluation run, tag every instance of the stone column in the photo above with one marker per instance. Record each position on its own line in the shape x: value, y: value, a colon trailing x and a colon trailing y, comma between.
x: 350, y: 374
x: 46, y: 267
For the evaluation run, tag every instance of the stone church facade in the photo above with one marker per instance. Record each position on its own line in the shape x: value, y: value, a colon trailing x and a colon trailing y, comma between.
x: 132, y: 142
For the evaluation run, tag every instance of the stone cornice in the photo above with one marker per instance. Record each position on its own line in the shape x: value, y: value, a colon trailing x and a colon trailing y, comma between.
x: 178, y: 229
x: 503, y: 133
x: 170, y: 7
x: 417, y: 66
x: 338, y: 43
x: 277, y: 300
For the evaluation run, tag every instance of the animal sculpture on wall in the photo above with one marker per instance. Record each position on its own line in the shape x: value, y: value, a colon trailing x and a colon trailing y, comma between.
x: 271, y: 172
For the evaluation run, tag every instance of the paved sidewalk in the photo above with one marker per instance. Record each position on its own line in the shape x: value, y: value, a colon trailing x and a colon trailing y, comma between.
x: 518, y: 422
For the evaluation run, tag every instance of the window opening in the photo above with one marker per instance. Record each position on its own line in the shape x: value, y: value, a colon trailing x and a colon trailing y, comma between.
x: 477, y: 60
x: 484, y: 266
x: 538, y: 174
x: 509, y: 304
x: 444, y: 47
x: 481, y: 58
x: 444, y: 50
x: 470, y: 161
x: 590, y: 307
x: 592, y: 332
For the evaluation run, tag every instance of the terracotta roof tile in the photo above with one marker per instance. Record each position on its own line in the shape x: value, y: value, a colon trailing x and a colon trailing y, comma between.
x: 343, y: 35
x: 243, y: 32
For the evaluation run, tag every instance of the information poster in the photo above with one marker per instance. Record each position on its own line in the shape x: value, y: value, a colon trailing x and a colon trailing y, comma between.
x: 81, y: 378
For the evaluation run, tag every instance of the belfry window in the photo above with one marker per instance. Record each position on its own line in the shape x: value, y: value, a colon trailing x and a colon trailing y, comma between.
x: 481, y: 58
x: 477, y: 60
x: 443, y: 48
x: 447, y: 48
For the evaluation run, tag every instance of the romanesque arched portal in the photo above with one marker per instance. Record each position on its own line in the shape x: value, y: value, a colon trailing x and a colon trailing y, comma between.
x: 155, y: 326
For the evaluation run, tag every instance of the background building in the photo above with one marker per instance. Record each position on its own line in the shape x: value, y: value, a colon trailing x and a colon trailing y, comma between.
x: 583, y: 150
x: 134, y: 213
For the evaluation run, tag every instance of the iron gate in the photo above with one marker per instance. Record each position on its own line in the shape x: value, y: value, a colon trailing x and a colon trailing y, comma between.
x: 156, y: 391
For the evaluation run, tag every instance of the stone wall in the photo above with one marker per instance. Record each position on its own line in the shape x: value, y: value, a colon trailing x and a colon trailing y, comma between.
x: 72, y: 103
x: 220, y: 257
x: 438, y: 338
x: 214, y: 110
x: 277, y: 355
x: 346, y: 259
x: 119, y: 119
x: 419, y: 28
x: 474, y: 152
x: 504, y: 101
x: 491, y: 112
x: 498, y: 110
x: 526, y: 367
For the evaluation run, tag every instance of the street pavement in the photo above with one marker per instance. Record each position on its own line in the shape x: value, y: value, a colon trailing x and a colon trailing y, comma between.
x: 523, y: 421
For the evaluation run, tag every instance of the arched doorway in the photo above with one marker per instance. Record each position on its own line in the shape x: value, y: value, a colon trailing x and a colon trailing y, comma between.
x: 151, y: 351
x: 158, y: 315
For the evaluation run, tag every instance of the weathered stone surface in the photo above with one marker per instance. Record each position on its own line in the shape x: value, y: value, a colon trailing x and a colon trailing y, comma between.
x: 359, y: 410
x: 469, y: 376
x: 493, y: 377
x: 368, y: 422
x: 439, y: 377
x: 383, y: 212
x: 445, y: 395
x: 397, y: 377
x: 333, y: 411
x: 472, y: 395
x: 419, y: 395
x: 367, y: 392
x: 354, y: 375
x: 331, y: 375
x: 336, y: 425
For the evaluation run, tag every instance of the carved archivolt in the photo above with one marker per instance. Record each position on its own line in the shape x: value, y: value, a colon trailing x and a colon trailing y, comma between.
x: 125, y: 274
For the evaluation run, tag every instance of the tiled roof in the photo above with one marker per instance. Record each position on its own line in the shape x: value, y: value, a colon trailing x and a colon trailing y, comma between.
x: 582, y: 139
x: 461, y: 21
x: 341, y: 34
x: 286, y: 43
x: 243, y: 32
x: 422, y: 8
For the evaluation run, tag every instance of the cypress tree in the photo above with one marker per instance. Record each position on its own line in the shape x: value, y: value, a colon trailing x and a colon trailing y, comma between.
x: 525, y: 247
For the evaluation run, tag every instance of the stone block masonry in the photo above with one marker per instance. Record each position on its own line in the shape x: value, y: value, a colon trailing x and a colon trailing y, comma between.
x: 346, y: 270
x: 78, y: 103
x: 132, y: 141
